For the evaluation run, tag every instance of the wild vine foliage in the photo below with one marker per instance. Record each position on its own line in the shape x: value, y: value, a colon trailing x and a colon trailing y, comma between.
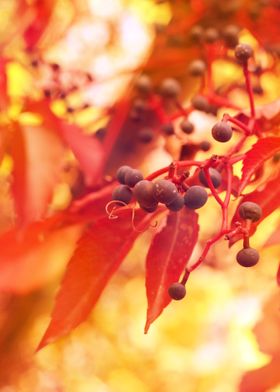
x: 113, y: 202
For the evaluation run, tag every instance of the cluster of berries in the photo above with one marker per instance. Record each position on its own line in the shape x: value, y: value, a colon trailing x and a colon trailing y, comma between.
x: 246, y: 257
x: 150, y: 193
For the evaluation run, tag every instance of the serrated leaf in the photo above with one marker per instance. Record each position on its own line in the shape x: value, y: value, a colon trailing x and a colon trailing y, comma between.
x: 267, y: 197
x: 98, y: 255
x: 168, y: 255
x: 259, y: 153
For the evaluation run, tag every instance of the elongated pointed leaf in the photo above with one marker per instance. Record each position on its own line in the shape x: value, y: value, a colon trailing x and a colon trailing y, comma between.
x: 98, y: 255
x: 37, y: 158
x: 259, y: 153
x: 170, y: 251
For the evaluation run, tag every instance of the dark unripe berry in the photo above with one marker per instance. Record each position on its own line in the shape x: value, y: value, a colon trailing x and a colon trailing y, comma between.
x: 222, y: 131
x: 144, y: 193
x: 187, y: 127
x: 132, y: 177
x: 150, y: 209
x: 122, y: 193
x: 168, y: 129
x: 195, y: 197
x: 100, y: 133
x: 200, y: 103
x: 144, y: 85
x: 211, y: 35
x: 170, y: 88
x: 121, y: 172
x: 250, y: 210
x: 230, y: 35
x: 165, y: 191
x: 145, y: 135
x: 205, y: 145
x: 247, y: 257
x: 177, y: 291
x: 243, y: 52
x: 214, y: 175
x: 177, y: 204
x: 197, y: 68
x: 196, y: 34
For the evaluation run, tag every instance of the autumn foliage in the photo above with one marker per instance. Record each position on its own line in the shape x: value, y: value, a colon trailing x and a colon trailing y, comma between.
x: 60, y: 151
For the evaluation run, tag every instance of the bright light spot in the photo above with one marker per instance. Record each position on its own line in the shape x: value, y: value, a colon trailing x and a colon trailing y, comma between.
x: 108, y: 9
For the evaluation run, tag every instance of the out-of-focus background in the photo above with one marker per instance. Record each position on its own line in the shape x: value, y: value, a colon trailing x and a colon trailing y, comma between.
x: 224, y: 336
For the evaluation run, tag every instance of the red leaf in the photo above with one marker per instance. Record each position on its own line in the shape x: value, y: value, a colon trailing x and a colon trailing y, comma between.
x: 98, y: 255
x: 167, y: 257
x: 268, y: 198
x: 260, y: 152
x: 31, y: 258
x: 274, y: 239
x: 278, y: 276
x: 4, y: 99
x: 37, y: 154
x: 87, y: 149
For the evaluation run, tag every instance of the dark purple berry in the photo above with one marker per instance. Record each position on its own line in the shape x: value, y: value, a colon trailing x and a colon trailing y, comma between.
x: 187, y: 127
x: 144, y: 85
x: 132, y: 177
x: 250, y: 210
x: 222, y: 131
x: 243, y: 52
x: 205, y: 145
x: 100, y: 133
x: 230, y: 35
x: 196, y: 34
x: 177, y: 291
x: 170, y: 88
x: 122, y: 193
x: 150, y: 209
x: 247, y: 257
x: 144, y: 194
x: 177, y: 204
x: 121, y: 172
x: 214, y: 175
x: 145, y: 135
x: 165, y: 191
x: 200, y: 103
x: 168, y: 129
x: 197, y: 68
x: 211, y: 35
x: 195, y: 197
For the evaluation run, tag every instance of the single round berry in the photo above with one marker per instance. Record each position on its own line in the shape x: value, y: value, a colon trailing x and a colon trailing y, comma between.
x: 250, y: 210
x: 144, y: 85
x: 165, y: 191
x: 121, y: 172
x: 230, y: 35
x: 145, y: 135
x: 197, y: 68
x: 177, y: 291
x: 144, y: 193
x: 200, y: 103
x: 177, y: 204
x: 168, y: 129
x: 170, y: 88
x: 205, y: 145
x: 122, y: 193
x: 100, y: 133
x: 214, y: 175
x: 195, y: 197
x: 247, y: 257
x: 187, y: 127
x: 243, y: 52
x: 132, y: 177
x: 211, y: 35
x: 196, y: 34
x: 222, y: 131
x: 150, y: 209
